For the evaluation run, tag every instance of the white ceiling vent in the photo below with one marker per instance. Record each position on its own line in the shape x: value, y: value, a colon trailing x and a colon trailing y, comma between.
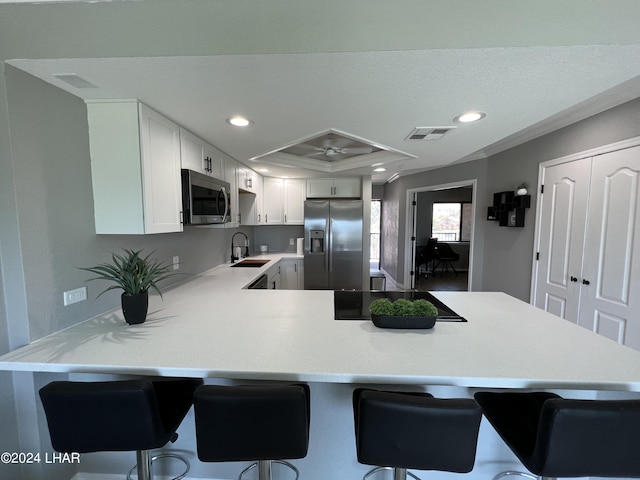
x: 428, y: 133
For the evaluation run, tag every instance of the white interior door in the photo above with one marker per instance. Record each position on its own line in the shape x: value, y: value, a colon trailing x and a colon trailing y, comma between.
x: 563, y: 218
x: 610, y: 301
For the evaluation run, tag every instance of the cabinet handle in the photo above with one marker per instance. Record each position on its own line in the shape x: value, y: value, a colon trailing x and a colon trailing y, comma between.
x: 585, y: 282
x: 266, y: 218
x: 574, y: 279
x: 285, y: 218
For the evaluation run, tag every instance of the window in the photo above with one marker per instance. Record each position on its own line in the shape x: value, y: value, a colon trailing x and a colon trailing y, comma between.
x: 374, y: 246
x: 451, y: 222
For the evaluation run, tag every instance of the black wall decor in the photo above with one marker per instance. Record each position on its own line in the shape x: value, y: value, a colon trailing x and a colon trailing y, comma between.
x: 508, y: 209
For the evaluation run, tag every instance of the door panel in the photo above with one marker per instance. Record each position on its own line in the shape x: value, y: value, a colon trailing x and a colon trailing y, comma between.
x: 563, y: 218
x: 612, y: 246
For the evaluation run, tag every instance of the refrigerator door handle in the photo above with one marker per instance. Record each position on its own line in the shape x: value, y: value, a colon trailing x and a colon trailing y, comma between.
x: 329, y: 251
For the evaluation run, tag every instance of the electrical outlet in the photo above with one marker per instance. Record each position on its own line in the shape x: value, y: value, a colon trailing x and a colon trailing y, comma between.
x: 75, y: 296
x: 176, y: 262
x: 292, y: 241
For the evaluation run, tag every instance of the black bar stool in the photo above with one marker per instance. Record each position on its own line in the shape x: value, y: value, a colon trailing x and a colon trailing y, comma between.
x: 557, y: 437
x: 263, y: 424
x: 118, y: 416
x: 398, y: 430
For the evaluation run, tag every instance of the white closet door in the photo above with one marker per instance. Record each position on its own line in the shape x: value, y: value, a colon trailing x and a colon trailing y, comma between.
x: 610, y: 302
x: 563, y: 218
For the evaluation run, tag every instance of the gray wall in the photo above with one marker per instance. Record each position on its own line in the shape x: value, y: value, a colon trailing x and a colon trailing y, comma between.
x: 503, y: 256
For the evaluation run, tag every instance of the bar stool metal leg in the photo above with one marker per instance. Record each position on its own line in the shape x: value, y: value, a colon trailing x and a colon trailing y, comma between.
x: 398, y: 473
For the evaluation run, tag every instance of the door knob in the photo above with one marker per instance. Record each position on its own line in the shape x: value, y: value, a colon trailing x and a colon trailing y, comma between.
x: 585, y: 282
x: 574, y: 279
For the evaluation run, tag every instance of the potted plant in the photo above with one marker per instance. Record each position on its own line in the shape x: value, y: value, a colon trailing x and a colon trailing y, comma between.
x: 135, y: 275
x: 403, y: 313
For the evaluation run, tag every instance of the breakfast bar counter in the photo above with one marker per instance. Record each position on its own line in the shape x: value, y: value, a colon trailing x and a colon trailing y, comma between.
x: 209, y: 326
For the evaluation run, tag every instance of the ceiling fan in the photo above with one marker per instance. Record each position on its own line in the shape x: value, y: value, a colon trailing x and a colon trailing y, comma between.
x: 332, y: 151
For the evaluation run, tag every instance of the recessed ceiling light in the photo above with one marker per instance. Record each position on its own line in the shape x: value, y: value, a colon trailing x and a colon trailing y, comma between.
x: 467, y: 117
x: 380, y: 169
x: 263, y: 170
x: 239, y: 121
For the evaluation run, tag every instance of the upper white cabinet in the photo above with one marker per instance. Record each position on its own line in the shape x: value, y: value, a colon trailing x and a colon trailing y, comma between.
x: 350, y: 187
x: 273, y: 200
x: 294, y: 197
x: 199, y: 156
x: 283, y: 201
x: 230, y: 175
x: 135, y: 169
x: 250, y: 200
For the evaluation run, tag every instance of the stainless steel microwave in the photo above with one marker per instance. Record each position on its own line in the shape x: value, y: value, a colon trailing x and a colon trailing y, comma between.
x: 205, y: 200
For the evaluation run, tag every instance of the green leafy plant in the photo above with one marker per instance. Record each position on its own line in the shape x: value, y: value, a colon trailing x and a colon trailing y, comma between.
x: 381, y: 306
x: 424, y: 308
x: 131, y: 272
x: 403, y: 307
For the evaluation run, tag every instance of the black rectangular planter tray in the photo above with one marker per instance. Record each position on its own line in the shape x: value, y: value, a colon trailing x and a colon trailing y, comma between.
x: 389, y: 321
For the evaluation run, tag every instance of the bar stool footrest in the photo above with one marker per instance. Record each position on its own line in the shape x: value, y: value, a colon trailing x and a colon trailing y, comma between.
x: 379, y: 469
x: 514, y: 473
x: 166, y: 455
x: 281, y: 462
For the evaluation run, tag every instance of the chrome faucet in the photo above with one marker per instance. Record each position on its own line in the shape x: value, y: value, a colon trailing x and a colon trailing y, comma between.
x: 246, y: 246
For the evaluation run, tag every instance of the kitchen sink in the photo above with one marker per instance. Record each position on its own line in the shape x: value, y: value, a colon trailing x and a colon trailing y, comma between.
x: 253, y: 262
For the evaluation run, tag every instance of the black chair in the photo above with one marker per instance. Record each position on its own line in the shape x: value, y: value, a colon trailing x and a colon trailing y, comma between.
x: 118, y: 416
x: 397, y: 431
x: 445, y: 255
x: 557, y: 437
x: 262, y: 424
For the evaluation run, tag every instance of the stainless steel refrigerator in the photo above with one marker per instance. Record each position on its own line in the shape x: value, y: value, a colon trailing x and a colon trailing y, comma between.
x: 333, y: 244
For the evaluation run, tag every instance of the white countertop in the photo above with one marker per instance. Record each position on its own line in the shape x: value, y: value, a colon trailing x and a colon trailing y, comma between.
x: 209, y: 326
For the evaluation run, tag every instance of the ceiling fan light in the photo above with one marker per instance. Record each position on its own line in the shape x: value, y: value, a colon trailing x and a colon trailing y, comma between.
x: 467, y: 117
x: 239, y: 121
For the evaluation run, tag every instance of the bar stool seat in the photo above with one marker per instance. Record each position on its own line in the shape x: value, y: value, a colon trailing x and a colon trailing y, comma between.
x: 262, y: 424
x: 397, y: 431
x: 124, y: 415
x: 557, y: 437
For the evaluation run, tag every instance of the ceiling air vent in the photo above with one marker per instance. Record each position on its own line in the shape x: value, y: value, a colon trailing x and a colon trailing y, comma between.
x: 428, y: 133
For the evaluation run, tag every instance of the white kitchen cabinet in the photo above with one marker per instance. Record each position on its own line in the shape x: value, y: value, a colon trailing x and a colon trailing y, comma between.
x: 587, y: 244
x: 199, y: 156
x: 248, y: 179
x: 274, y: 278
x: 273, y: 200
x: 283, y: 201
x: 348, y: 187
x: 251, y: 204
x: 135, y: 169
x: 292, y: 273
x: 294, y: 197
x: 230, y: 175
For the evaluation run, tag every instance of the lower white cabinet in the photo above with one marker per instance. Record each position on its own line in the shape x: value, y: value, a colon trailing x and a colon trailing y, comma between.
x: 274, y: 277
x: 135, y: 169
x: 292, y: 274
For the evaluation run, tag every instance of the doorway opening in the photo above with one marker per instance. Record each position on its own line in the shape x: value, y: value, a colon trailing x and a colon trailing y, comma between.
x: 439, y: 246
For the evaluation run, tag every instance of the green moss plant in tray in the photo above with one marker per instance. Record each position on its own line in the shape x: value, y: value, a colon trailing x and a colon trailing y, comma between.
x: 403, y: 313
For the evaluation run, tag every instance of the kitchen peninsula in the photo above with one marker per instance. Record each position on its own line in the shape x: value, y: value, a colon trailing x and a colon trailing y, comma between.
x: 210, y: 326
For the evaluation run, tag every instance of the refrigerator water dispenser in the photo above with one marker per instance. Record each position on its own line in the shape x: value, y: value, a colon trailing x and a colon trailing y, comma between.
x: 317, y: 241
